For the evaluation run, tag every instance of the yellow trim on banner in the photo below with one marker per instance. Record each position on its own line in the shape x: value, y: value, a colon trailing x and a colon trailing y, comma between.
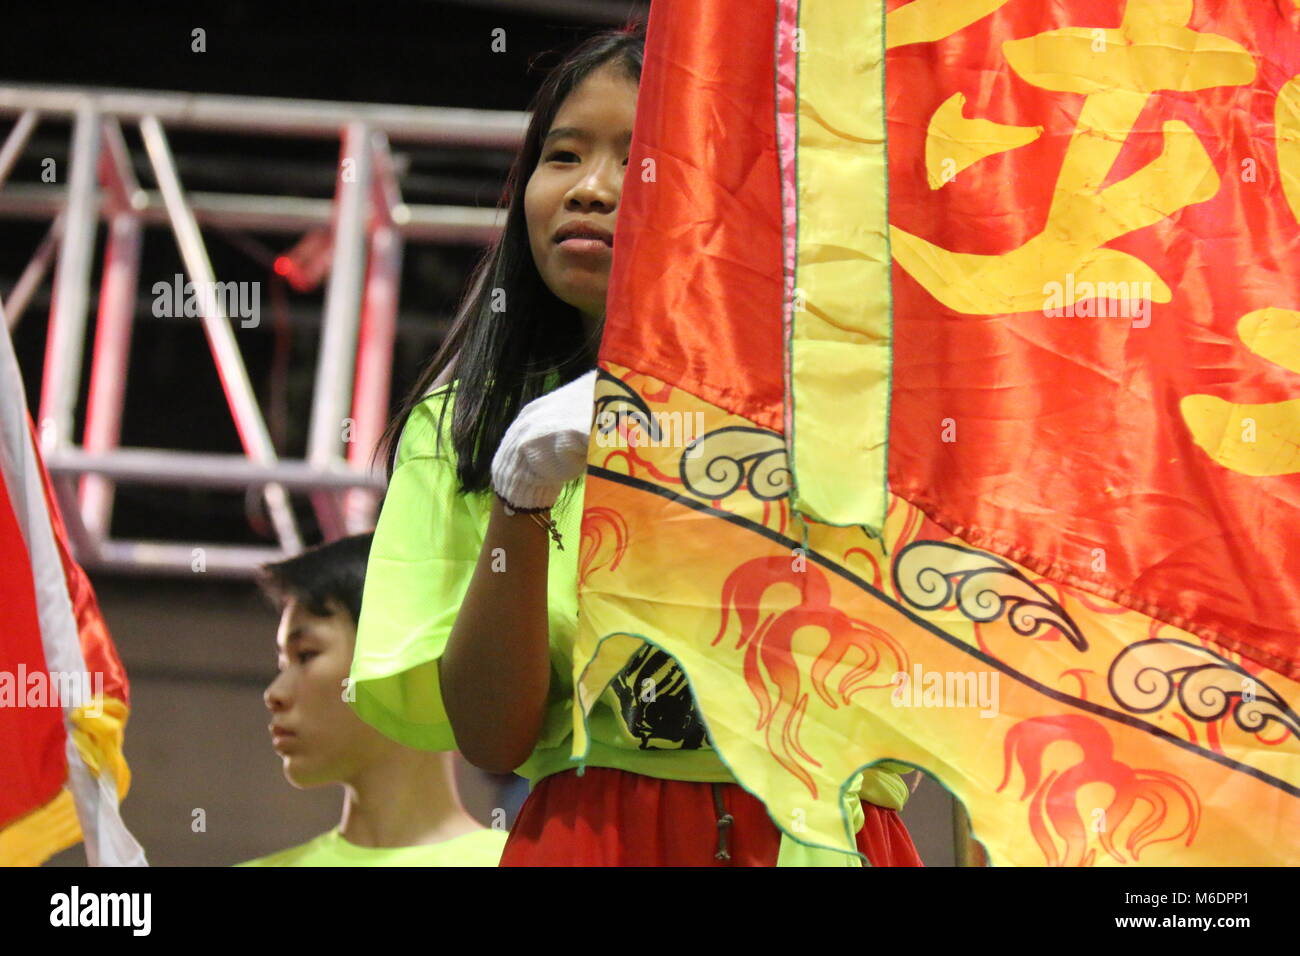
x: 840, y: 338
x: 47, y: 830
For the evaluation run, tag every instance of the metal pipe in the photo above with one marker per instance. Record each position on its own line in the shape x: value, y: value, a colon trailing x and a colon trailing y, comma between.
x: 424, y: 329
x: 66, y: 340
x: 121, y: 189
x: 169, y: 468
x: 282, y: 215
x: 15, y: 142
x: 387, y: 194
x: 34, y: 274
x: 338, y: 348
x: 230, y: 364
x: 154, y: 557
x: 483, y: 129
x: 85, y: 547
x: 375, y: 346
x: 109, y: 359
x: 112, y: 348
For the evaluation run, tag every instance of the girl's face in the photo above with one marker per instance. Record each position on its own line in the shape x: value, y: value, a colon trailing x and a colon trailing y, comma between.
x: 576, y: 187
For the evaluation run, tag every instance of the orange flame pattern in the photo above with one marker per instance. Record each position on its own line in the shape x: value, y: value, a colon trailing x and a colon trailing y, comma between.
x: 595, y: 523
x: 769, y: 658
x: 1054, y: 796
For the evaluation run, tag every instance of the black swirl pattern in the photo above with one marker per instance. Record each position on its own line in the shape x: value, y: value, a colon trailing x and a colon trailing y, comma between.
x: 719, y: 462
x: 617, y: 401
x: 1146, y: 675
x: 930, y: 574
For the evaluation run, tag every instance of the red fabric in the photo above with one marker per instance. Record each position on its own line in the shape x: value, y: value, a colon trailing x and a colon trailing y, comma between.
x: 96, y: 643
x: 1069, y: 441
x: 701, y: 242
x: 32, y: 761
x: 614, y: 818
x: 33, y: 738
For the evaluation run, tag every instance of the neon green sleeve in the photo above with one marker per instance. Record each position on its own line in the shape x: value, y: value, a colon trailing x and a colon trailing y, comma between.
x: 425, y: 548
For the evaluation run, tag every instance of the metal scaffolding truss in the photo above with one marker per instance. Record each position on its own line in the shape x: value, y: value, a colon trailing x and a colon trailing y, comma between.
x: 368, y: 222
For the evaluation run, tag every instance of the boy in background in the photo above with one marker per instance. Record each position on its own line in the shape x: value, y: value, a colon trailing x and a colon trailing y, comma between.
x: 400, y: 806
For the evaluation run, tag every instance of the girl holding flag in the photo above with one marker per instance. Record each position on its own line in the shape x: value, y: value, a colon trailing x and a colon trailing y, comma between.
x: 470, y: 608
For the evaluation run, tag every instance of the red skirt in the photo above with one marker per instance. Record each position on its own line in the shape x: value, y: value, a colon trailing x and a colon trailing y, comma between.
x: 615, y: 818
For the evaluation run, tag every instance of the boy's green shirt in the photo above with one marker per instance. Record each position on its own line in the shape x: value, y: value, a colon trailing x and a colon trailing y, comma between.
x: 481, y: 848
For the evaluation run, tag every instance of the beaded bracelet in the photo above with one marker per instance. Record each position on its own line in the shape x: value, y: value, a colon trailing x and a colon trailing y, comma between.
x: 537, y: 514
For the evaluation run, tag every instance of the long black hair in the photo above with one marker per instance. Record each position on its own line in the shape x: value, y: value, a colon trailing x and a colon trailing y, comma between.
x: 501, y: 360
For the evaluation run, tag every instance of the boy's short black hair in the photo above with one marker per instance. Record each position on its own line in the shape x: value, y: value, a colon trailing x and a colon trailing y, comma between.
x: 335, y: 570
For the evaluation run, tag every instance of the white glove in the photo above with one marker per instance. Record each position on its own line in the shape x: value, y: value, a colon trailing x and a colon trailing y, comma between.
x: 546, y: 445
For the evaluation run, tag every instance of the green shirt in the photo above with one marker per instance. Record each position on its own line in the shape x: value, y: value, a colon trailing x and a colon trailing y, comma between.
x: 481, y: 848
x: 425, y: 549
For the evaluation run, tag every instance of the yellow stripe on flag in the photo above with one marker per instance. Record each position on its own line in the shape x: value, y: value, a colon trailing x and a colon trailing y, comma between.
x: 840, y: 334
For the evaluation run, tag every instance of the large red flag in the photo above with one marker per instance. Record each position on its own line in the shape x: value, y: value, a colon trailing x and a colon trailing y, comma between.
x: 949, y: 414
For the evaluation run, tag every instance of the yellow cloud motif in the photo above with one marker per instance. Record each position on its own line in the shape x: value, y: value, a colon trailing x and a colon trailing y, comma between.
x: 954, y: 142
x: 1261, y: 440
